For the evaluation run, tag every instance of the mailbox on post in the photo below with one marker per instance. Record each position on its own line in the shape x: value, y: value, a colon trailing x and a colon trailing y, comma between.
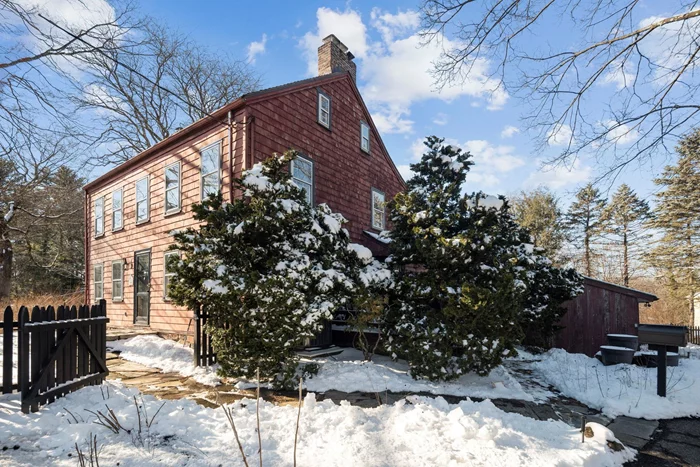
x: 661, y: 337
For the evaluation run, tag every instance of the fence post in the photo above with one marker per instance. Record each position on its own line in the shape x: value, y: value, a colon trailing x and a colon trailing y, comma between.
x: 23, y: 356
x: 7, y: 335
x: 197, y: 337
x: 50, y: 346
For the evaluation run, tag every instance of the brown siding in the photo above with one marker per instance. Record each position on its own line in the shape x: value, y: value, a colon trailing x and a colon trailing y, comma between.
x: 344, y: 176
x: 593, y: 315
x: 152, y: 234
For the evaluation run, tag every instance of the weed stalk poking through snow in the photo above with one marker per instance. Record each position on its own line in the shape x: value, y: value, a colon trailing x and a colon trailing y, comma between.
x: 229, y: 415
x: 296, y: 432
x: 257, y: 415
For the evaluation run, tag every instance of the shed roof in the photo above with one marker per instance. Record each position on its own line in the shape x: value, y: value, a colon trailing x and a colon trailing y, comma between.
x: 642, y: 297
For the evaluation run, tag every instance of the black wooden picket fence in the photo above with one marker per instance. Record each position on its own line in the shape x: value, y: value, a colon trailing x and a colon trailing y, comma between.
x: 694, y: 334
x: 59, y: 351
x: 204, y: 354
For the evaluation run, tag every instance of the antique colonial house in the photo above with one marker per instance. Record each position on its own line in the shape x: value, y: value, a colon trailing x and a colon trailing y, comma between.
x: 132, y: 209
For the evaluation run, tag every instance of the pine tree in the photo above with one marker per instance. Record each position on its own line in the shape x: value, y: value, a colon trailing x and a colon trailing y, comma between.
x: 677, y: 216
x: 462, y: 269
x: 538, y: 211
x: 625, y: 219
x: 269, y: 269
x: 583, y: 220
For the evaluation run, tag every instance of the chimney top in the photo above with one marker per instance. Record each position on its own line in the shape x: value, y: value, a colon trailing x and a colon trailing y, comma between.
x: 333, y: 56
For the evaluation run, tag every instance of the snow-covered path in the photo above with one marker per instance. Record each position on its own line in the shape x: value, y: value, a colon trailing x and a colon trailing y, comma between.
x: 415, y: 432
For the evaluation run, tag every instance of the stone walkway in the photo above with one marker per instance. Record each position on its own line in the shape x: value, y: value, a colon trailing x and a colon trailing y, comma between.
x: 672, y: 443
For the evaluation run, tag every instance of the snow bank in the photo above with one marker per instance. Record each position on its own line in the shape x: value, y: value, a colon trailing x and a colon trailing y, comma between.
x: 419, y: 432
x: 165, y: 355
x: 623, y: 389
x: 347, y: 372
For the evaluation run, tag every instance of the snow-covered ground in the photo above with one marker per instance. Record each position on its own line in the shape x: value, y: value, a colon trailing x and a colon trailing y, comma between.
x: 347, y: 372
x: 416, y: 432
x: 344, y: 372
x: 623, y: 389
x: 166, y: 355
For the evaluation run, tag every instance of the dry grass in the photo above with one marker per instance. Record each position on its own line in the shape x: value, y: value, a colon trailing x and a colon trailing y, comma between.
x: 74, y: 298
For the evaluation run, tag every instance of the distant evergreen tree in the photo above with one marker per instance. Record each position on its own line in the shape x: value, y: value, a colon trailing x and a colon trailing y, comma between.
x: 625, y: 220
x: 538, y: 211
x: 584, y: 223
x: 677, y: 216
x: 465, y: 273
x: 269, y: 268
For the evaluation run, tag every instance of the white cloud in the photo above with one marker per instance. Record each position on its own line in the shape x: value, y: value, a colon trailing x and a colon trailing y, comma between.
x: 621, y: 134
x: 256, y: 48
x: 440, y: 119
x: 396, y: 69
x: 560, y: 135
x: 509, y: 131
x: 497, y: 158
x: 405, y: 171
x: 556, y: 177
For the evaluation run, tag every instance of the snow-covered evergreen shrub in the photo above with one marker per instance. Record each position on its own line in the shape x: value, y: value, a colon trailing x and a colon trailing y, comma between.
x: 463, y: 272
x: 269, y: 268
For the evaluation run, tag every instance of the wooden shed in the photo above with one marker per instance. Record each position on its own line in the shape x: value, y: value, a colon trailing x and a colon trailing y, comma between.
x: 602, y: 309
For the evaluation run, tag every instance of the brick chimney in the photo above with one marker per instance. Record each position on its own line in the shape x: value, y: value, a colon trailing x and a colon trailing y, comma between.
x: 333, y: 56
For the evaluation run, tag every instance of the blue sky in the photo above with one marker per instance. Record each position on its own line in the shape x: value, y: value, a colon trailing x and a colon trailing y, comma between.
x: 280, y: 40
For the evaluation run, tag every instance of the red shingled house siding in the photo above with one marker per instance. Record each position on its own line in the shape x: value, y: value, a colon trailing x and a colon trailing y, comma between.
x: 344, y: 174
x: 263, y: 123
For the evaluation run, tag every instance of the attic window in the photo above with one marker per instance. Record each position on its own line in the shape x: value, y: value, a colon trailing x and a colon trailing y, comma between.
x: 364, y: 137
x: 324, y: 110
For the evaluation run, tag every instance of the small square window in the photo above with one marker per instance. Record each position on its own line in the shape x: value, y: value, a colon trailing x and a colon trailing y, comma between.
x: 302, y: 171
x: 99, y: 216
x: 378, y: 205
x: 324, y: 110
x: 364, y: 137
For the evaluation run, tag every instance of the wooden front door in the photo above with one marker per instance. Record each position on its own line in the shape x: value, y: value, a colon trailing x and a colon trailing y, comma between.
x: 142, y: 287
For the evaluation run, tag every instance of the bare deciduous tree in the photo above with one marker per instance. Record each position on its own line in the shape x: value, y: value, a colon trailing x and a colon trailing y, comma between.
x: 146, y: 93
x: 653, y: 61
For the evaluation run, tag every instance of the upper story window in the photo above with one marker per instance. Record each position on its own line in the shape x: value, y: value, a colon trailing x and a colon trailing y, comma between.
x: 98, y: 280
x: 117, y: 281
x: 118, y: 209
x: 378, y: 204
x: 210, y: 170
x: 170, y: 258
x: 172, y: 188
x: 324, y: 109
x: 99, y: 216
x: 142, y: 200
x: 302, y: 171
x: 364, y: 137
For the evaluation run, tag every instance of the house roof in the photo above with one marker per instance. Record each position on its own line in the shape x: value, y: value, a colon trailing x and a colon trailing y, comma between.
x: 218, y: 116
x: 642, y: 297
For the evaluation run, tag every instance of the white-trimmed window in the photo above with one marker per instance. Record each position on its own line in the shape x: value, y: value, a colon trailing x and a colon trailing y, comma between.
x: 170, y: 258
x: 142, y: 200
x: 210, y: 170
x: 118, y: 209
x: 98, y: 280
x: 364, y: 137
x: 378, y: 204
x: 117, y: 281
x: 324, y: 109
x: 99, y: 216
x: 172, y: 188
x: 302, y: 171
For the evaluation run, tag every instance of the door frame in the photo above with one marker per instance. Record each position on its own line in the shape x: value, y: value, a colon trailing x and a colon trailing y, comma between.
x: 150, y: 276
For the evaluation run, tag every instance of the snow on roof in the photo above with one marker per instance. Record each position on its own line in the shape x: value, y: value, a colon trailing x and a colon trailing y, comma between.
x: 380, y: 237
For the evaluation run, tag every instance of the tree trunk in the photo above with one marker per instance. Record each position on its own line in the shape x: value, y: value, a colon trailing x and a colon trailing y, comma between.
x: 587, y: 253
x: 625, y: 261
x: 5, y: 269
